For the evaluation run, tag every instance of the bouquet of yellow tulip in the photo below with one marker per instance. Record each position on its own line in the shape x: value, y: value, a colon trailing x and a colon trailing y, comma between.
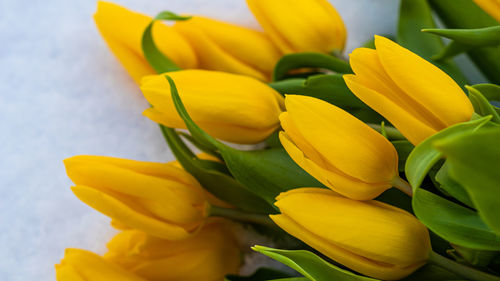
x: 329, y: 140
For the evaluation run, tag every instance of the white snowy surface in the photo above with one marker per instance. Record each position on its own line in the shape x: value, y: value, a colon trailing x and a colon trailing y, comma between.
x: 62, y: 93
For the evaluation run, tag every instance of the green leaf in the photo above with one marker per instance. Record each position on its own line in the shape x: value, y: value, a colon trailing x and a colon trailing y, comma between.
x: 474, y: 162
x: 266, y: 173
x: 425, y: 155
x: 261, y: 274
x: 415, y: 15
x: 464, y: 40
x: 330, y: 88
x: 489, y: 91
x: 217, y: 183
x: 404, y: 148
x: 431, y: 272
x: 451, y: 187
x: 465, y: 14
x: 481, y: 105
x: 456, y: 224
x: 310, y: 265
x: 157, y: 59
x: 309, y: 60
x: 475, y: 257
x: 478, y: 37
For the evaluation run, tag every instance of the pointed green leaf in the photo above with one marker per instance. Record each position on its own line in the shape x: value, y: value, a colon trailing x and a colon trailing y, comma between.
x: 474, y: 162
x: 451, y: 187
x: 415, y: 15
x: 266, y: 173
x: 465, y: 14
x: 309, y: 60
x: 425, y: 155
x: 217, y: 183
x: 481, y: 105
x: 310, y: 265
x: 456, y: 224
x: 491, y: 92
x: 157, y: 59
x: 477, y: 37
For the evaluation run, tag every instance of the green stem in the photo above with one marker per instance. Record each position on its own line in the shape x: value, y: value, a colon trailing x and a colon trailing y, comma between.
x: 241, y: 216
x: 460, y: 269
x: 392, y: 133
x: 402, y: 185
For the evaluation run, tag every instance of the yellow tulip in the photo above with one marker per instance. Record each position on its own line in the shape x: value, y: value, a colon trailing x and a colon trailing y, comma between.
x: 122, y: 29
x: 337, y: 149
x: 208, y: 256
x: 369, y: 237
x: 418, y: 98
x: 81, y: 265
x: 301, y: 26
x: 230, y: 107
x: 492, y: 7
x: 159, y: 199
x: 230, y: 48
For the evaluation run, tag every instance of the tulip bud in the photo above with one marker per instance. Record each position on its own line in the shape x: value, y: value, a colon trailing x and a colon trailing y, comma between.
x: 159, y: 199
x: 122, y: 29
x: 337, y: 149
x: 230, y: 48
x: 230, y: 107
x: 209, y: 255
x: 492, y: 7
x: 369, y: 237
x: 418, y: 98
x: 301, y: 26
x: 81, y: 265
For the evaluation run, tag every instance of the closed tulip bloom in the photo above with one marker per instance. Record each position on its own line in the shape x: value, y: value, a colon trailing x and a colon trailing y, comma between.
x: 418, y: 98
x: 492, y: 7
x: 159, y: 199
x: 81, y: 265
x: 369, y: 237
x: 301, y: 26
x: 230, y: 48
x: 209, y: 255
x: 122, y: 29
x: 337, y: 149
x: 230, y: 107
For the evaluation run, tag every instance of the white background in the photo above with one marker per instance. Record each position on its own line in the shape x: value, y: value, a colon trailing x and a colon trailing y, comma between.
x: 62, y: 93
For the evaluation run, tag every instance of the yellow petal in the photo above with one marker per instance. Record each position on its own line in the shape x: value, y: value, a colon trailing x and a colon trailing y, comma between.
x: 319, y: 27
x: 389, y: 245
x: 249, y: 46
x: 116, y: 209
x: 340, y: 183
x: 228, y: 106
x: 410, y: 126
x: 424, y: 82
x: 214, y: 57
x: 80, y: 265
x: 347, y: 144
x: 122, y: 29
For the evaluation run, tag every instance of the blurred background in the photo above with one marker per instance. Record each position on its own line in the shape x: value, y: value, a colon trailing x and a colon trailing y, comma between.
x: 62, y: 93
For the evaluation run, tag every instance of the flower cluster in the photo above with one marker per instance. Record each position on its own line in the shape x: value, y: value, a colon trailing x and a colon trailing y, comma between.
x: 331, y: 138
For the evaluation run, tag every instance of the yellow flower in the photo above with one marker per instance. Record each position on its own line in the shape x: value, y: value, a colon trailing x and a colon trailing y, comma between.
x: 230, y: 48
x: 159, y: 199
x: 492, y: 7
x: 208, y: 256
x: 369, y: 237
x: 230, y: 107
x: 122, y: 29
x: 301, y: 26
x: 81, y: 265
x: 337, y: 149
x: 418, y: 98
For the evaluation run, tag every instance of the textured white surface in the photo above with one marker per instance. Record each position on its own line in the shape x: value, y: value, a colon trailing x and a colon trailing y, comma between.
x: 62, y: 93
